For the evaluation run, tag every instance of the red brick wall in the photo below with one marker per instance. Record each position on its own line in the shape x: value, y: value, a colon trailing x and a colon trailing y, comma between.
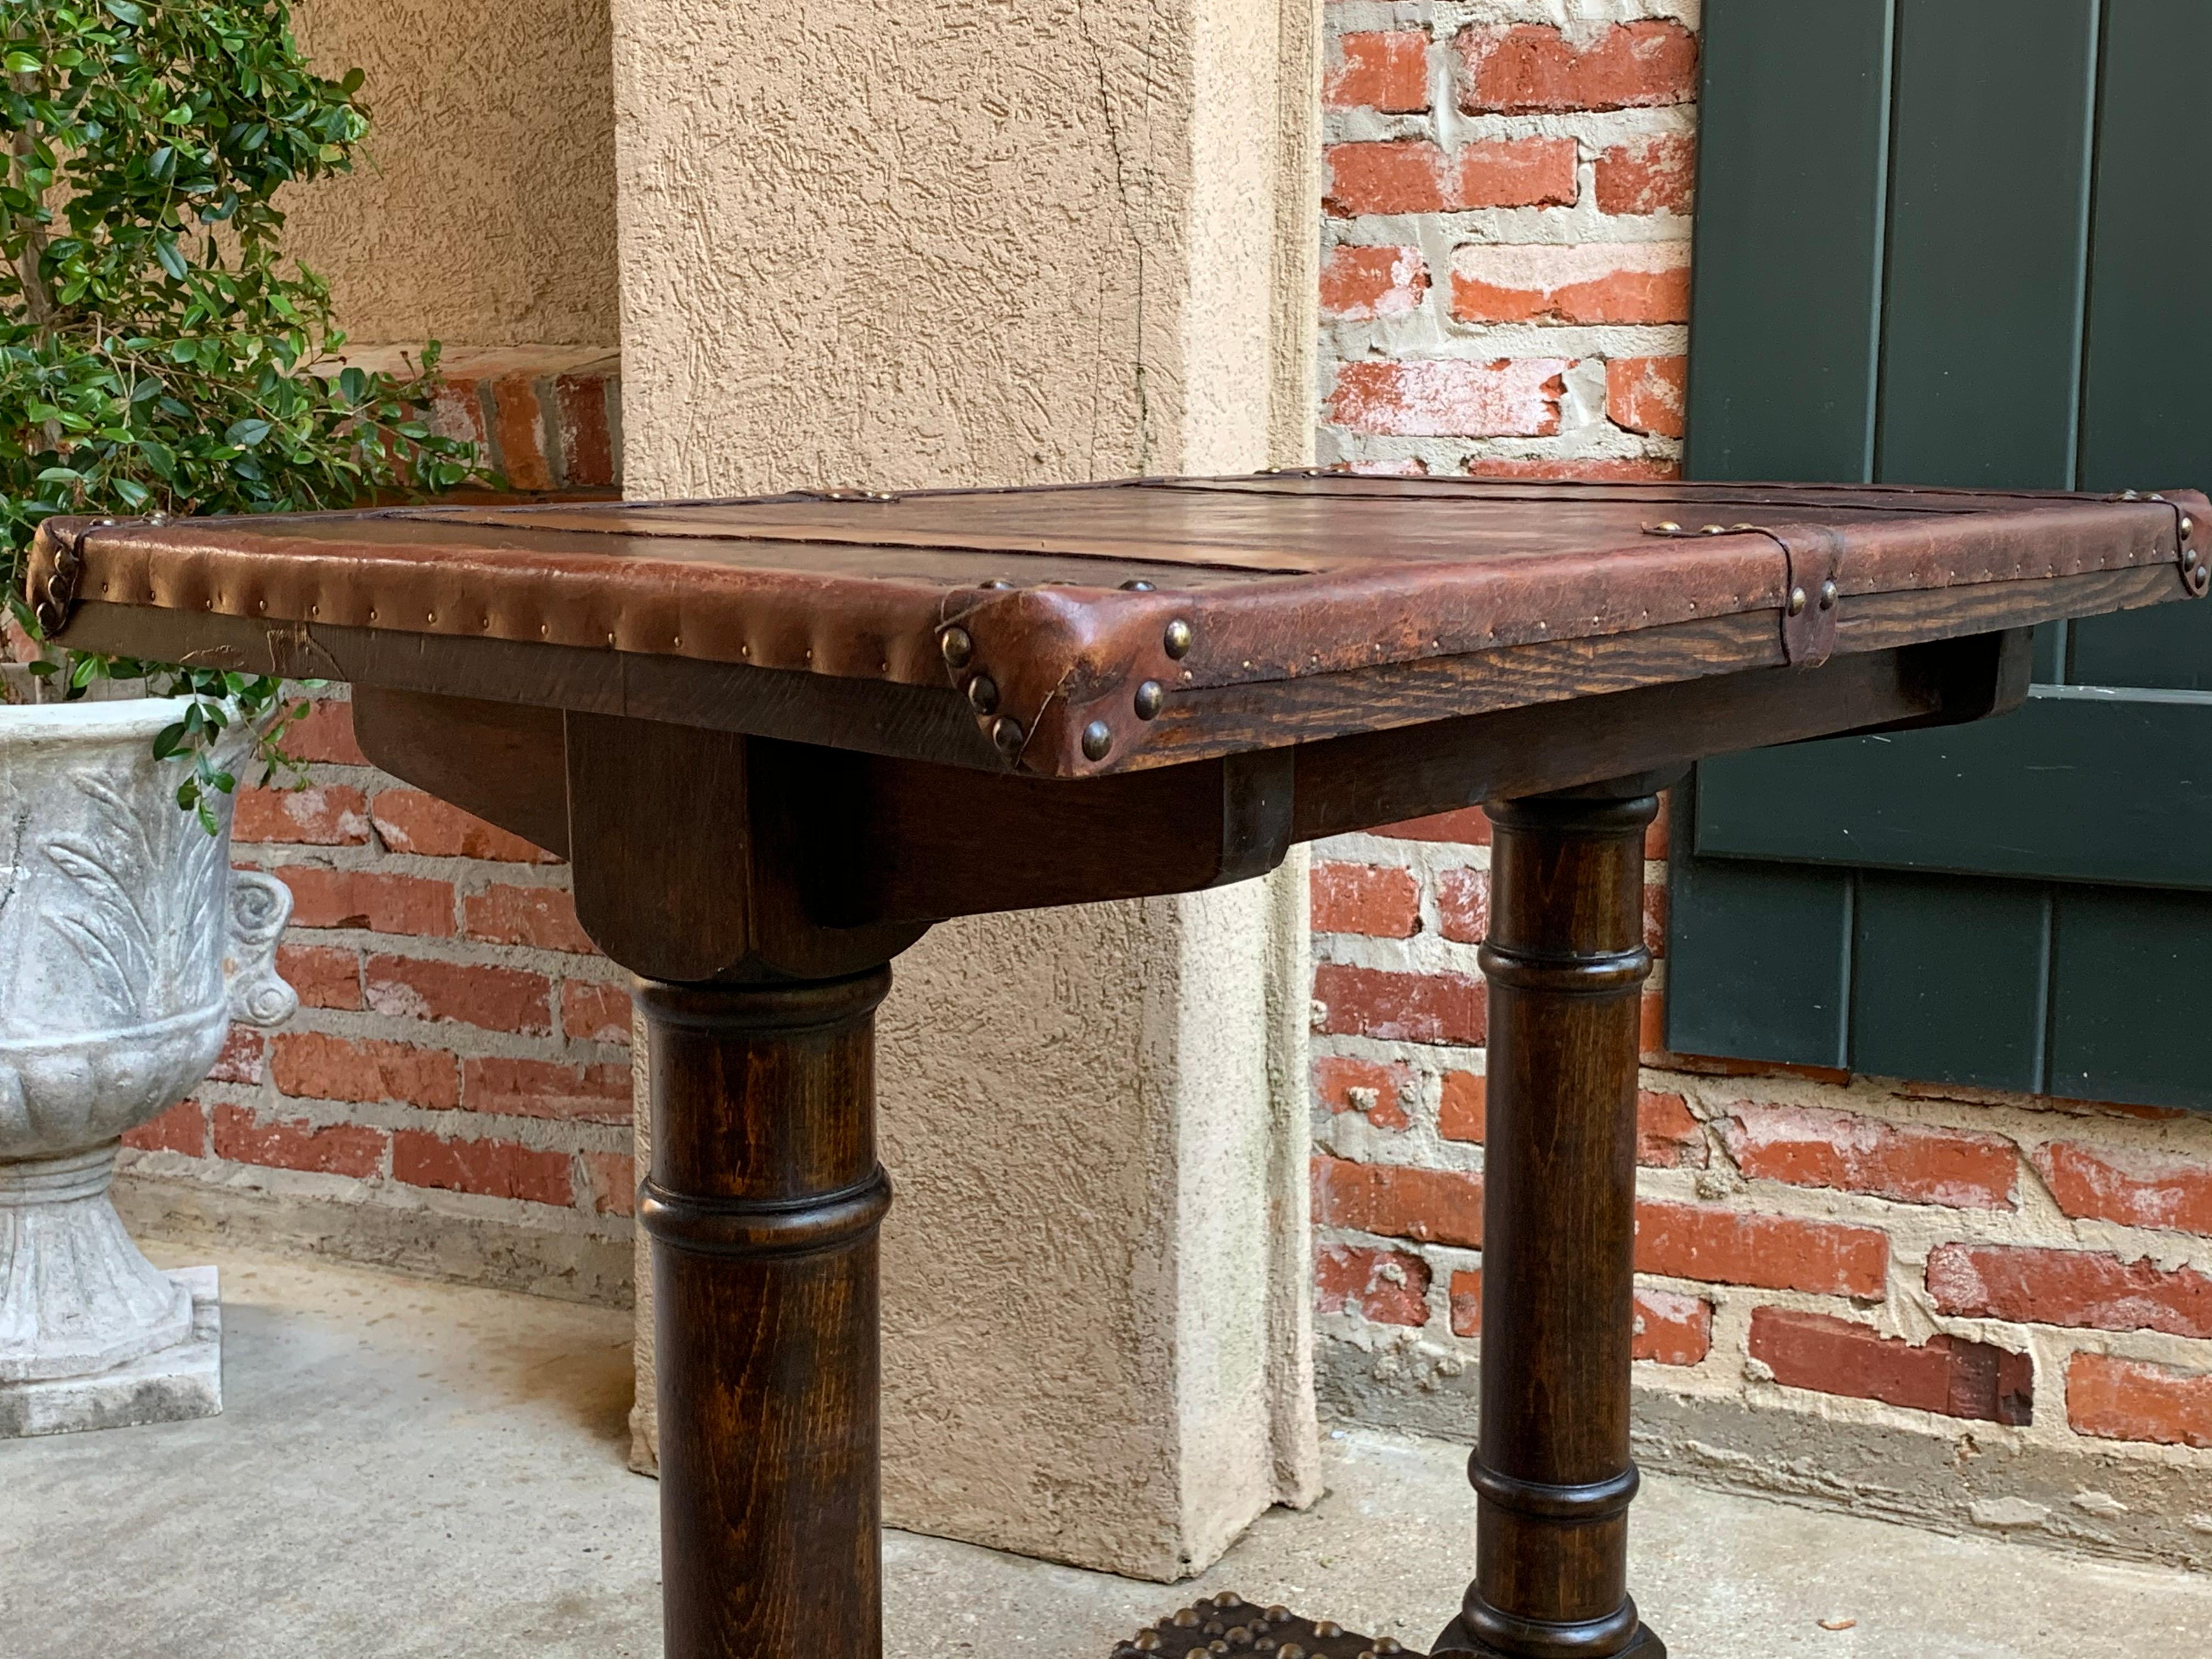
x: 461, y: 1054
x: 1505, y: 262
x: 1504, y: 291
x: 1805, y: 1238
x: 459, y: 1044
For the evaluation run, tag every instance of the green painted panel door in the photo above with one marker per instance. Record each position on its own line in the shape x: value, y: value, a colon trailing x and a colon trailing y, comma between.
x: 2008, y: 904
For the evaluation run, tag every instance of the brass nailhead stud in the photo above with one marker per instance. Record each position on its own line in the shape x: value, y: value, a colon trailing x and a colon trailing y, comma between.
x: 2189, y: 559
x: 1828, y: 594
x: 997, y: 584
x: 983, y: 693
x: 1097, y: 739
x: 1006, y: 732
x: 957, y: 647
x: 2188, y: 524
x: 1666, y: 527
x: 1177, y: 641
x: 1151, y: 696
x: 1137, y: 585
x: 1186, y: 1618
x: 1797, y: 601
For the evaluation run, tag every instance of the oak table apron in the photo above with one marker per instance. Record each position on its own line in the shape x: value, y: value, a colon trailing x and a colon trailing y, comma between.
x: 777, y: 738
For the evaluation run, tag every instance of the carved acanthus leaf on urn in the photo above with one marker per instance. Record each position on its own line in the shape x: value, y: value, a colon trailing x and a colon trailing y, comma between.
x: 127, y: 946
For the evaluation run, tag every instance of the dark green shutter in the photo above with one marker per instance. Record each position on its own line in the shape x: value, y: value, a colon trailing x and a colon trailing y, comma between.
x: 1962, y: 242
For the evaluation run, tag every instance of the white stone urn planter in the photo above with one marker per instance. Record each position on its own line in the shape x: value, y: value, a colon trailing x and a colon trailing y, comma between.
x: 127, y: 946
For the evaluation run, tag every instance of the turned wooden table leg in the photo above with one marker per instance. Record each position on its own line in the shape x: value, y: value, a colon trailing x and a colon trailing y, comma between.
x: 1566, y: 965
x: 762, y: 1205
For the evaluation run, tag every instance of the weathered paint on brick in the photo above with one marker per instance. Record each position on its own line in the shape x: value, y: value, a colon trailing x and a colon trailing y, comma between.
x: 1913, y: 1163
x: 1507, y: 396
x: 2117, y: 1399
x: 1570, y: 283
x: 2041, y: 1286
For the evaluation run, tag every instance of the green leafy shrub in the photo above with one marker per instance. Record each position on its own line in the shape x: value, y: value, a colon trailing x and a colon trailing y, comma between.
x: 158, y: 353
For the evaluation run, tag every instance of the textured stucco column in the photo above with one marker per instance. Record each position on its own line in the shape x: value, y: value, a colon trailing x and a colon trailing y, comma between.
x: 949, y: 243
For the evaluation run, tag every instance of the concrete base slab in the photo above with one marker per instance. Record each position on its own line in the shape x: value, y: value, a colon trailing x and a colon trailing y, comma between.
x: 408, y: 1470
x: 173, y: 1385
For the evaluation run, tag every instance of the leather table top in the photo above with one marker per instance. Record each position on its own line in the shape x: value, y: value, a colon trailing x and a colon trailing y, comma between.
x: 1066, y: 631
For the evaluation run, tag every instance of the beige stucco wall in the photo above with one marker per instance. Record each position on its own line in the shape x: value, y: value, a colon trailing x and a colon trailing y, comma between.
x: 951, y: 243
x: 945, y: 243
x: 482, y: 211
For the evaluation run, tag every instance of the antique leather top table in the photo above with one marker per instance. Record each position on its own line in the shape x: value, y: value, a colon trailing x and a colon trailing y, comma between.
x: 779, y: 737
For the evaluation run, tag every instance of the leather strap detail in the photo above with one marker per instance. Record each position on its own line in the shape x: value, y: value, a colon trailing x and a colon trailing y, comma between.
x: 1812, y: 557
x: 1814, y: 554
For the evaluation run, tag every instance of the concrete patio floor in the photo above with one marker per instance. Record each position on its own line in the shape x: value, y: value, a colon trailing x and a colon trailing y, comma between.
x: 407, y: 1468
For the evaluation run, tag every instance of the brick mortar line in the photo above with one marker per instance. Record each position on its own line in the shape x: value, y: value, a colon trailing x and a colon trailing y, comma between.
x: 382, y: 1191
x: 1450, y: 127
x: 453, y: 1037
x: 540, y: 1133
x: 467, y: 950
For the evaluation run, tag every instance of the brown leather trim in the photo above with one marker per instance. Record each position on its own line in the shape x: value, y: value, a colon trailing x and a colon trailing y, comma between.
x: 1279, y: 580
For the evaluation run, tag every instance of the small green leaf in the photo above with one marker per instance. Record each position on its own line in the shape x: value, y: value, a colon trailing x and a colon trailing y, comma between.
x: 126, y: 11
x: 22, y: 62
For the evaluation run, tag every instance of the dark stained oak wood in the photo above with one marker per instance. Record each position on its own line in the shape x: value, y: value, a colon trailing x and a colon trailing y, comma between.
x: 936, y: 727
x: 688, y: 869
x: 817, y: 726
x: 763, y: 1206
x: 1408, y: 772
x: 812, y: 861
x: 489, y: 758
x: 1565, y: 964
